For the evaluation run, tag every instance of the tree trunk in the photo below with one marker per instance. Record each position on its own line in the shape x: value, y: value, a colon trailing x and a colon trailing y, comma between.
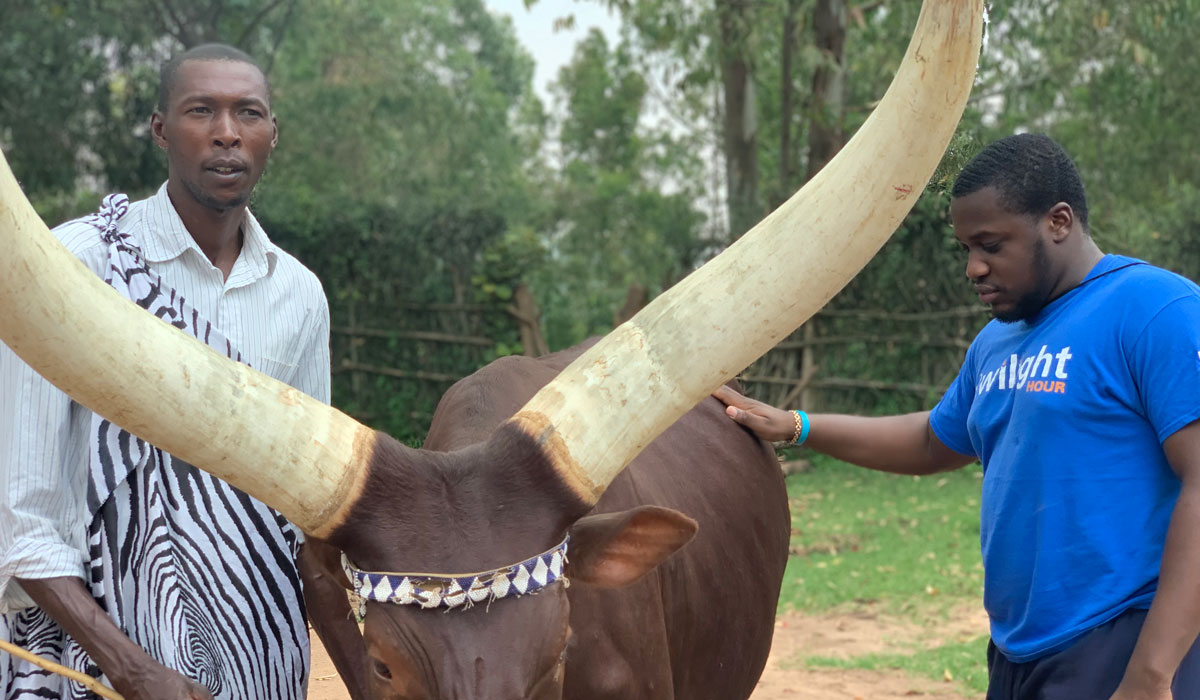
x: 635, y: 300
x: 526, y: 311
x: 787, y: 94
x: 826, y: 133
x: 741, y: 120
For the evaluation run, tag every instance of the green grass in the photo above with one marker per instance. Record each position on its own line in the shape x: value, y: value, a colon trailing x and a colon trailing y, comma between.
x: 963, y: 662
x: 862, y: 536
x: 905, y: 546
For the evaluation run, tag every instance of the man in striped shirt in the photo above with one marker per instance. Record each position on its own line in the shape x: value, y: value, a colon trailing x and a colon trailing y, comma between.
x: 115, y: 559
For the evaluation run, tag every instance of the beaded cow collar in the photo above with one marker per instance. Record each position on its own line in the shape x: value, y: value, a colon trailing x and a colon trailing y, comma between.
x: 452, y: 591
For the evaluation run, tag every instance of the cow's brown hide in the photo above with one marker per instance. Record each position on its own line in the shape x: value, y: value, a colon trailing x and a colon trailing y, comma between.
x: 481, y: 495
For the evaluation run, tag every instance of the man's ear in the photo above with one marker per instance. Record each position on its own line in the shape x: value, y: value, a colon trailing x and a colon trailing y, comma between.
x: 156, y: 130
x: 616, y: 549
x: 1061, y: 219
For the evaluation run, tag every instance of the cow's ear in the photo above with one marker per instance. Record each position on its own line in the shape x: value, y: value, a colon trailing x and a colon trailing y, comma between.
x: 616, y: 549
x: 321, y: 562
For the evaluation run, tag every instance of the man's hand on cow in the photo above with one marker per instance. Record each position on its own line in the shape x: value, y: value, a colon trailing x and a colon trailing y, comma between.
x: 765, y: 421
x: 146, y: 679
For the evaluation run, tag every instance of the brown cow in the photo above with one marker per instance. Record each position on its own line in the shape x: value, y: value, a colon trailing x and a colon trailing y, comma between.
x: 698, y: 626
x: 508, y: 495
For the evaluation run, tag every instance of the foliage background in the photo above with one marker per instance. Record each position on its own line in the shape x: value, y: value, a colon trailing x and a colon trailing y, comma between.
x: 423, y: 179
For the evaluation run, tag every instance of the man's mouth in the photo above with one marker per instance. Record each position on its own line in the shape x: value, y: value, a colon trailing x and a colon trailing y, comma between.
x: 226, y: 168
x: 987, y: 294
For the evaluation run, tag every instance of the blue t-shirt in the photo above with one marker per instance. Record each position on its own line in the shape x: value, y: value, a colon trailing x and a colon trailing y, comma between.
x: 1067, y: 413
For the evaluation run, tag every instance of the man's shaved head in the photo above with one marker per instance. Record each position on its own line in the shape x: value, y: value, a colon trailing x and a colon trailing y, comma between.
x: 203, y: 52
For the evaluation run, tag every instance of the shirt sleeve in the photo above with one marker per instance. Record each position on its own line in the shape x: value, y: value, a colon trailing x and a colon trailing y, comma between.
x: 1165, y: 363
x: 312, y: 372
x: 948, y: 419
x: 43, y: 473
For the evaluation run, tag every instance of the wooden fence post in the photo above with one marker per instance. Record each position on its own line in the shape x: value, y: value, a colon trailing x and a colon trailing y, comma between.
x: 808, y: 365
x: 525, y: 310
x: 356, y: 383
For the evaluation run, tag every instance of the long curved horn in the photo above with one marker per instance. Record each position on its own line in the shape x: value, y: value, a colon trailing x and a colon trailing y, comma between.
x: 310, y: 461
x: 286, y: 449
x: 621, y: 394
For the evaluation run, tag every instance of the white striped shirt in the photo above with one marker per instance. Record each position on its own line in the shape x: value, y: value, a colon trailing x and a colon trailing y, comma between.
x: 271, y: 308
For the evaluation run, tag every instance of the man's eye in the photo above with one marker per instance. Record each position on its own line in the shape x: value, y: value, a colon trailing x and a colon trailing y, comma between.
x: 252, y: 113
x: 199, y: 110
x: 991, y: 247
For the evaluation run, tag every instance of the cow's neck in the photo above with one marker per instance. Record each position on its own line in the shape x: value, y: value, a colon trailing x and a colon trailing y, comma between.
x: 475, y: 509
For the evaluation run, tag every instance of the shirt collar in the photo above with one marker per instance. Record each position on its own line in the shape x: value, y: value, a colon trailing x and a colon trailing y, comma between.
x: 1107, y: 264
x: 1110, y: 263
x: 164, y: 237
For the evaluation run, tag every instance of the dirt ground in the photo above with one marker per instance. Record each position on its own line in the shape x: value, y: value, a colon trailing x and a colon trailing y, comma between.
x: 798, y: 636
x: 849, y: 635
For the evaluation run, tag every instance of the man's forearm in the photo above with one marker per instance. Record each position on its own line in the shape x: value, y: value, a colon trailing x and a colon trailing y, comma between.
x: 72, y: 606
x: 1173, y: 622
x: 897, y: 444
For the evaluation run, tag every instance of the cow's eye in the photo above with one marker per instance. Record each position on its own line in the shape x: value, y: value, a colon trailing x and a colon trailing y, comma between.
x: 382, y: 670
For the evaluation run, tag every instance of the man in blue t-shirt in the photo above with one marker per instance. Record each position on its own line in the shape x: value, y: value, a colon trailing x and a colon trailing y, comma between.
x: 1081, y: 401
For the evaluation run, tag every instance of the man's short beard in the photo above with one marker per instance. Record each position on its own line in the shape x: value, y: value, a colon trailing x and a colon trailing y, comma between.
x: 211, y: 202
x: 1032, y: 302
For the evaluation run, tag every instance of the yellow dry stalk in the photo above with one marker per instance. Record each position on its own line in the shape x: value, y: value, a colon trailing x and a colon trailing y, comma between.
x: 81, y: 678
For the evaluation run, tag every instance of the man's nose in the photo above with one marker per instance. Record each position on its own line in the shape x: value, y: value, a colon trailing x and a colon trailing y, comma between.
x: 225, y: 132
x: 977, y: 269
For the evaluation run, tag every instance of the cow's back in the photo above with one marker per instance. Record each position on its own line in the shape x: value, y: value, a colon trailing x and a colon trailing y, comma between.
x: 701, y: 623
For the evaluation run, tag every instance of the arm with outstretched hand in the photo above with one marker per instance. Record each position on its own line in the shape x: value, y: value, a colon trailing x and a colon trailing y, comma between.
x: 903, y: 444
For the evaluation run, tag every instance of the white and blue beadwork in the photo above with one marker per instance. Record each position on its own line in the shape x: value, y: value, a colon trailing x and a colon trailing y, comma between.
x: 452, y: 591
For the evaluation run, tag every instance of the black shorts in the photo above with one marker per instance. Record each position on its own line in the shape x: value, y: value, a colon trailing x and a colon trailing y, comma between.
x: 1092, y: 667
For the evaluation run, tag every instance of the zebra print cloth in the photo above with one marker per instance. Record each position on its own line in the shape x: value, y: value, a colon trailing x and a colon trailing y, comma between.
x: 196, y: 572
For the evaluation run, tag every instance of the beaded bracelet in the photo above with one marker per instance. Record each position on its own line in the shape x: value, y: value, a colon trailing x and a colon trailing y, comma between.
x: 802, y: 426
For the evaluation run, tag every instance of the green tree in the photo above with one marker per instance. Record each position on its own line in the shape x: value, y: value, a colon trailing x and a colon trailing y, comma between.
x: 406, y: 129
x: 80, y: 82
x: 72, y: 98
x: 1116, y: 83
x: 403, y: 136
x: 624, y: 199
x: 405, y: 132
